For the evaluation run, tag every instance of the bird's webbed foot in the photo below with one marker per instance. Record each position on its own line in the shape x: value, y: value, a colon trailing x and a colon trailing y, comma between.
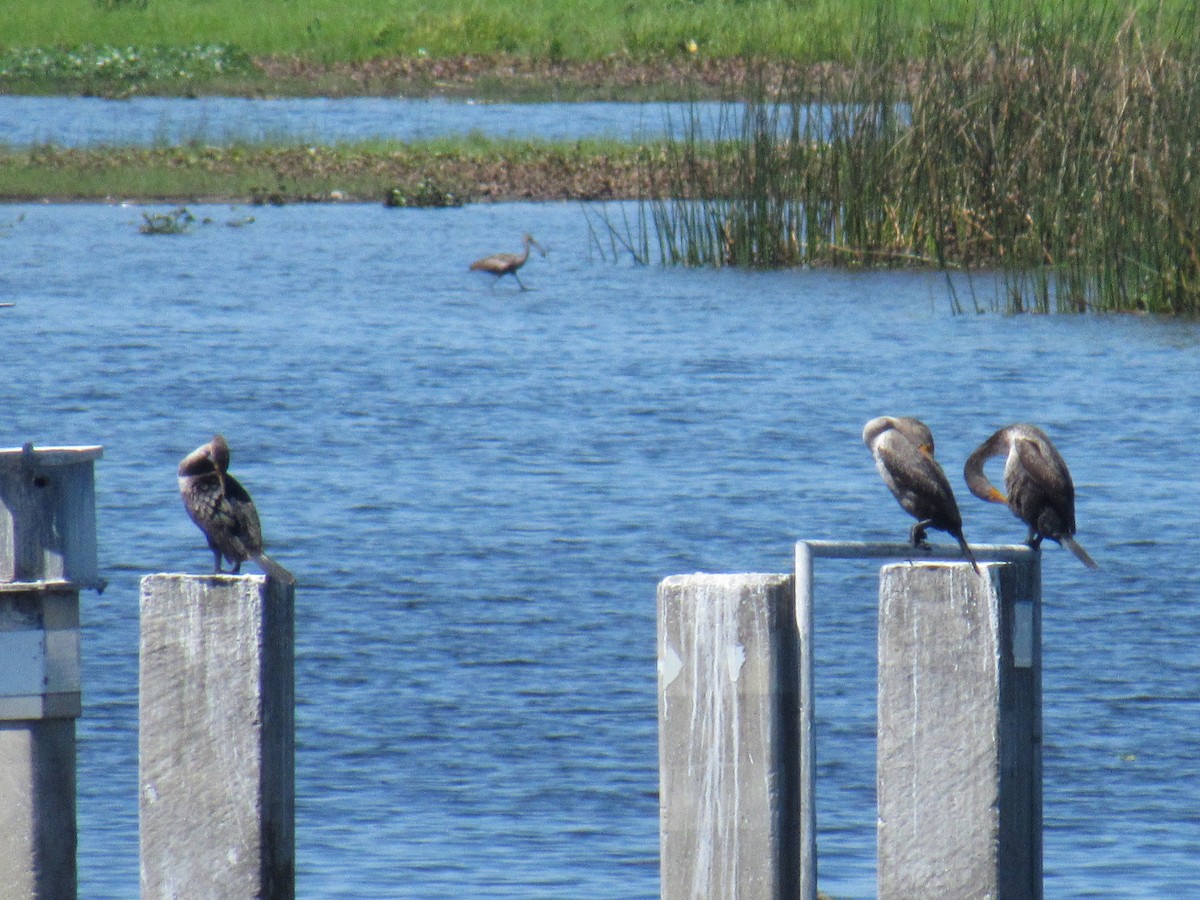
x: 917, y: 536
x: 1034, y: 539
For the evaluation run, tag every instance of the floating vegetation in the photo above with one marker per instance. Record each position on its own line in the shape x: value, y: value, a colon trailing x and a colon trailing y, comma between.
x: 122, y: 66
x: 177, y: 221
x: 425, y: 193
x: 181, y: 221
x: 1066, y: 157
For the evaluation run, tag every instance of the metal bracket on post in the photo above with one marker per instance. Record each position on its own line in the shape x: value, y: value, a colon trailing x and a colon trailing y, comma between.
x: 1025, y: 628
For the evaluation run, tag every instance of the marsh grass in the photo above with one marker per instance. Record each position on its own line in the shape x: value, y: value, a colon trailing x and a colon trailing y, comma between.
x: 1064, y: 155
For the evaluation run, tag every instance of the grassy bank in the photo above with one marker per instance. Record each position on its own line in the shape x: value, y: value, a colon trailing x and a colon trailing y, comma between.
x: 348, y: 30
x: 442, y: 173
x: 339, y: 46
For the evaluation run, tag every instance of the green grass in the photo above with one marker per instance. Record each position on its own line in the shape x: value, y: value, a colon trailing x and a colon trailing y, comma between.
x: 340, y: 30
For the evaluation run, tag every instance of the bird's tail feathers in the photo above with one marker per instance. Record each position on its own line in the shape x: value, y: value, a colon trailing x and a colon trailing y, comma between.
x: 966, y: 549
x: 274, y: 569
x: 1082, y: 555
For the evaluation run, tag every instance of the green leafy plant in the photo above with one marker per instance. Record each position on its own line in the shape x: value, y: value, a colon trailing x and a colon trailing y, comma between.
x: 177, y: 221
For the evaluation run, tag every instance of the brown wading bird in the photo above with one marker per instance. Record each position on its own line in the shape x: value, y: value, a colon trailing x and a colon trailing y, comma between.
x: 1040, y: 490
x: 501, y: 264
x: 218, y: 503
x: 903, y: 451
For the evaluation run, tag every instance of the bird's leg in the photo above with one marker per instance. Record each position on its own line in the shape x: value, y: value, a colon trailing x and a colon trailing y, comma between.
x: 217, y: 570
x: 1034, y: 539
x: 519, y: 281
x: 917, y: 534
x: 237, y: 568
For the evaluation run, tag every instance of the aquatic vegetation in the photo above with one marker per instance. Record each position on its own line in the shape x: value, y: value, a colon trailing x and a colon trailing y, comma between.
x: 425, y: 192
x: 177, y: 221
x: 111, y: 65
x: 1063, y: 156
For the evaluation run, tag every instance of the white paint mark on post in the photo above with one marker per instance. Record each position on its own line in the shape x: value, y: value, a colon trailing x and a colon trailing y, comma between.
x: 669, y: 666
x: 735, y: 658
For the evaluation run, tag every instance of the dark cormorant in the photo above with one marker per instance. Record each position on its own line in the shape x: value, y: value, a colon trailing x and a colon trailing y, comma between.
x: 1040, y: 490
x: 903, y: 451
x: 222, y: 508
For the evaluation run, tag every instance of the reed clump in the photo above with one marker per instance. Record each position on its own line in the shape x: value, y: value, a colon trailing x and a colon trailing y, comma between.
x: 1064, y: 155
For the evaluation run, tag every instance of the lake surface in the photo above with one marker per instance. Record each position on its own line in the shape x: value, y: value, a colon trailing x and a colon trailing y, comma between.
x: 94, y: 121
x: 479, y: 489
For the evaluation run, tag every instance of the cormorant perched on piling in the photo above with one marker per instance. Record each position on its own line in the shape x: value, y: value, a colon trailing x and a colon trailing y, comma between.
x: 222, y: 508
x: 501, y: 264
x: 1040, y: 490
x: 903, y: 451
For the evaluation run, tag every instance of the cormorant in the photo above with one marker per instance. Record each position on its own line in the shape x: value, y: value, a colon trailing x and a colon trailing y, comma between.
x: 1040, y: 490
x: 903, y: 451
x: 222, y: 508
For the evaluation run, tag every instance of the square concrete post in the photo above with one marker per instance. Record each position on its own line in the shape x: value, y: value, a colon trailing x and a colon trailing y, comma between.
x: 960, y: 738
x: 47, y: 554
x: 216, y: 743
x: 727, y: 708
x: 39, y: 702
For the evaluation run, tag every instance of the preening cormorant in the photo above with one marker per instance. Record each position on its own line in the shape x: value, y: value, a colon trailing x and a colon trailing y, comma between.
x: 1040, y: 490
x: 903, y: 451
x: 222, y: 508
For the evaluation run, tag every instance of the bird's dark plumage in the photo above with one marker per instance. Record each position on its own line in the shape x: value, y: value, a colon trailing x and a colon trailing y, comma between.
x: 1040, y: 490
x: 903, y: 451
x: 222, y: 508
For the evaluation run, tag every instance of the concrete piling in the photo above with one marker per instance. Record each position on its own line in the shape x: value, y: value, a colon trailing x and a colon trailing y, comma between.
x: 959, y: 743
x: 727, y: 710
x: 47, y: 555
x: 959, y: 739
x: 217, y: 737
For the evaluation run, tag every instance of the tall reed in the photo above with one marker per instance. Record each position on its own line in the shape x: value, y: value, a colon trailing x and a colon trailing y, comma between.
x: 1063, y: 154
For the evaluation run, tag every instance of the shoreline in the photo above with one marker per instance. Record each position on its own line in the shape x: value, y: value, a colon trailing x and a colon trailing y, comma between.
x: 395, y: 175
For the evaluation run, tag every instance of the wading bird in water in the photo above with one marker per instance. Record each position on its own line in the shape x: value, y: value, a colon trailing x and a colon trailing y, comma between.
x: 1040, y: 490
x: 501, y: 264
x: 222, y: 508
x: 903, y: 451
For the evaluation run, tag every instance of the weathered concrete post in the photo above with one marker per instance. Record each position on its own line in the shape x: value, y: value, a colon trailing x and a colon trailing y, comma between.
x: 959, y: 743
x: 727, y: 700
x: 47, y: 554
x: 216, y: 745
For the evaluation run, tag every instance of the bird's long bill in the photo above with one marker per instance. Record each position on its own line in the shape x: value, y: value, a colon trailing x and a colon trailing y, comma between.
x: 978, y: 484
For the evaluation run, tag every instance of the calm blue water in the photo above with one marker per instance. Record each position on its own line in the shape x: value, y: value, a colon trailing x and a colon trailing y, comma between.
x: 479, y: 489
x: 95, y: 121
x: 91, y: 121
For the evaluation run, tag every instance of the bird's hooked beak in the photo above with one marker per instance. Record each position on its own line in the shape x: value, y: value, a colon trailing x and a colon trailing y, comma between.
x: 926, y: 450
